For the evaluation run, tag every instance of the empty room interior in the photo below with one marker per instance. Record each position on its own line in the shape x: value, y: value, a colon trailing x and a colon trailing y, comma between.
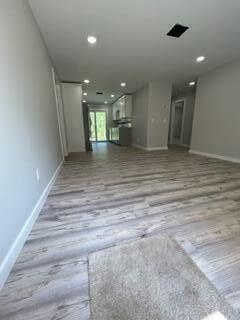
x: 120, y: 166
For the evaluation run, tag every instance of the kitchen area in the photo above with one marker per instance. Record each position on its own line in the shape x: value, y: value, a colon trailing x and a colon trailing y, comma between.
x: 108, y: 122
x: 121, y: 131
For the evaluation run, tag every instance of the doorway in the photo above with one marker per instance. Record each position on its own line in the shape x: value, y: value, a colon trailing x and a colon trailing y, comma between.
x: 98, y: 126
x: 177, y: 122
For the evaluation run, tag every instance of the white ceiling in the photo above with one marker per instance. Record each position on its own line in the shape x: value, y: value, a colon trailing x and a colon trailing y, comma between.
x: 132, y: 43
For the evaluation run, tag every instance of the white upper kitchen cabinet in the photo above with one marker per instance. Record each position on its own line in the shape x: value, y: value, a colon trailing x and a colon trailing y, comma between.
x: 122, y: 108
x: 121, y: 103
x: 114, y: 107
x: 116, y: 111
x: 128, y: 106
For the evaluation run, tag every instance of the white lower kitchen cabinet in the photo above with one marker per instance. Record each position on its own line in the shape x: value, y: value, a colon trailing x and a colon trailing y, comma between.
x: 121, y: 136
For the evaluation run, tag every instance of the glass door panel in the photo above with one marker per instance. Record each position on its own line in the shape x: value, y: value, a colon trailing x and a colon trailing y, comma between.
x: 98, y: 126
x: 101, y: 125
x: 92, y: 126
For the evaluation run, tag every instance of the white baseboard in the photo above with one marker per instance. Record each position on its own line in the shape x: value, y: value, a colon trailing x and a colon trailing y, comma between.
x: 12, y: 255
x: 149, y: 149
x: 138, y: 146
x: 157, y: 148
x: 212, y: 155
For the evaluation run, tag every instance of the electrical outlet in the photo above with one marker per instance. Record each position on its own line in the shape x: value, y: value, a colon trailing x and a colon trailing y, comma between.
x: 37, y: 174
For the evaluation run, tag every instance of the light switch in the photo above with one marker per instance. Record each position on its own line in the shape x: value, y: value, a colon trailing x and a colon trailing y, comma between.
x: 37, y: 174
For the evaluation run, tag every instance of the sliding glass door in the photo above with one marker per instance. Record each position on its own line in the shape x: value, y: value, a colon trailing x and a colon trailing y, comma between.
x: 98, y: 125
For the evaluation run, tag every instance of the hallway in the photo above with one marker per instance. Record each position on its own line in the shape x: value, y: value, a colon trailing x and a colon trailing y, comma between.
x: 117, y: 194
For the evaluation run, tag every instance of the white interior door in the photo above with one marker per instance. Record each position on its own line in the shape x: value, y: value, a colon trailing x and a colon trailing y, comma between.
x: 177, y: 123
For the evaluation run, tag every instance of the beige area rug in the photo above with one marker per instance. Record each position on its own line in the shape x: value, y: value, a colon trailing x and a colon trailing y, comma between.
x: 152, y: 279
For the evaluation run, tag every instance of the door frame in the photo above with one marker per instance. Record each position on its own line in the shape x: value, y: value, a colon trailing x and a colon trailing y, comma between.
x: 60, y: 114
x: 172, y: 119
x: 95, y: 111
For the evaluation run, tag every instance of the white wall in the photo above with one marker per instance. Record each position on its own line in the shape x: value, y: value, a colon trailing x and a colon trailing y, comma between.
x: 151, y: 111
x: 72, y: 101
x: 29, y: 136
x: 139, y: 117
x: 216, y: 127
x: 158, y: 114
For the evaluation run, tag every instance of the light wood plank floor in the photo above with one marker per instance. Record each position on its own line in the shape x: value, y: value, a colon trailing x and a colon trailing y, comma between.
x: 115, y: 195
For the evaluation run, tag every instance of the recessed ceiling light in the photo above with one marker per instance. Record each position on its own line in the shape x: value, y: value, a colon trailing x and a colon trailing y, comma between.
x: 85, y: 93
x: 112, y: 95
x: 86, y: 81
x: 84, y: 101
x: 192, y: 83
x: 92, y: 39
x: 200, y: 59
x: 106, y: 102
x: 123, y: 84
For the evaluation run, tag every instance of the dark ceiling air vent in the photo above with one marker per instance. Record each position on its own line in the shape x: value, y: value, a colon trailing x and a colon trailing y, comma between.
x: 99, y: 92
x: 177, y: 31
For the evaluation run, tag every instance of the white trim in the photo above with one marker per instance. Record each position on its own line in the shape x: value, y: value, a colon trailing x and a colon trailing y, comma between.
x: 149, y: 149
x: 212, y: 155
x: 138, y: 146
x: 62, y: 119
x: 58, y: 116
x: 61, y: 126
x: 71, y: 83
x: 13, y: 253
x: 157, y: 148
